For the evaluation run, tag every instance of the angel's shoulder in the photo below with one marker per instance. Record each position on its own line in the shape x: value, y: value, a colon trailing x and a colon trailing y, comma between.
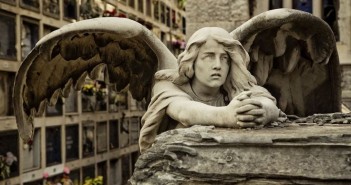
x: 165, y: 85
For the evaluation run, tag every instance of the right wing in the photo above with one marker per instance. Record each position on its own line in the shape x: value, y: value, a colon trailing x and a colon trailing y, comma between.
x: 130, y: 53
x: 293, y: 55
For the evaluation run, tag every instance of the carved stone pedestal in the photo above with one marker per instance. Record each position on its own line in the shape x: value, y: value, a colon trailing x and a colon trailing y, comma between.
x: 303, y: 153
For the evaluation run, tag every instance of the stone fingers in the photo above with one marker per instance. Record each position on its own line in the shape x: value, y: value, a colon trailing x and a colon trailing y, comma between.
x: 246, y: 124
x: 251, y: 101
x: 250, y: 110
x: 244, y: 95
x: 251, y: 118
x: 246, y: 118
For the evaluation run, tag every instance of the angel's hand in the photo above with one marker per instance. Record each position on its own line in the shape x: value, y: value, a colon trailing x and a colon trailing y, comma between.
x: 252, y: 113
x: 239, y: 101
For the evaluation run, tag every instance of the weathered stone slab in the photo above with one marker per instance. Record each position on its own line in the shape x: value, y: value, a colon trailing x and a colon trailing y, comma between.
x: 293, y: 153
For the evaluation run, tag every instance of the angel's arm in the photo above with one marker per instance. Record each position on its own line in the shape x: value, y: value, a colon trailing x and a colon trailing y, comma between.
x: 246, y: 113
x: 196, y: 113
x: 191, y: 113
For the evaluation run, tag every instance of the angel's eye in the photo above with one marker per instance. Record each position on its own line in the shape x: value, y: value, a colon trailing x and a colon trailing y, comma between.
x: 224, y: 57
x: 207, y: 56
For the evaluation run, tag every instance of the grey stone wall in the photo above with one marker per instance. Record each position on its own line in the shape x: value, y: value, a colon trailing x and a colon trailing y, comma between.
x: 346, y: 78
x: 346, y: 85
x: 345, y: 23
x: 227, y: 14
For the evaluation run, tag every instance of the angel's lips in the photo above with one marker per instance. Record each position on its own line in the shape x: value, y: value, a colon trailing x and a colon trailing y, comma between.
x: 216, y: 75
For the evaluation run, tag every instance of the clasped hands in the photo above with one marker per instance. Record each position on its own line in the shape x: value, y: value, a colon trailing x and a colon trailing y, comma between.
x: 249, y: 112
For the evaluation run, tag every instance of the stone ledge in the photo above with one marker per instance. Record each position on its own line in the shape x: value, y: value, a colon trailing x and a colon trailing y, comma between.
x: 293, y: 153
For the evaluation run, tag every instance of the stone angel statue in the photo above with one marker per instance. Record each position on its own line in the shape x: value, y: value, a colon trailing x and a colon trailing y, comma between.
x: 246, y: 78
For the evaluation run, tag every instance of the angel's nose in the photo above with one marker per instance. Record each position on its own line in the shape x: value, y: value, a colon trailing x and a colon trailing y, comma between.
x: 217, y: 63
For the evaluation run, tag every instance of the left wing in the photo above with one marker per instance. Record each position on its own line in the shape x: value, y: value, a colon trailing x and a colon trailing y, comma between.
x: 129, y: 51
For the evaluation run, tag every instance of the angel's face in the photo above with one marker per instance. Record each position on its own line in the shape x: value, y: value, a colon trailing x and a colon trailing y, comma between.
x: 212, y: 65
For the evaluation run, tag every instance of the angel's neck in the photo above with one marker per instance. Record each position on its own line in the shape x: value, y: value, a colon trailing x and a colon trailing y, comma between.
x: 203, y: 92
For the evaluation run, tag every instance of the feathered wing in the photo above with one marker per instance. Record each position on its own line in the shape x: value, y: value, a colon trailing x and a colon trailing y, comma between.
x: 293, y: 54
x: 129, y: 52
